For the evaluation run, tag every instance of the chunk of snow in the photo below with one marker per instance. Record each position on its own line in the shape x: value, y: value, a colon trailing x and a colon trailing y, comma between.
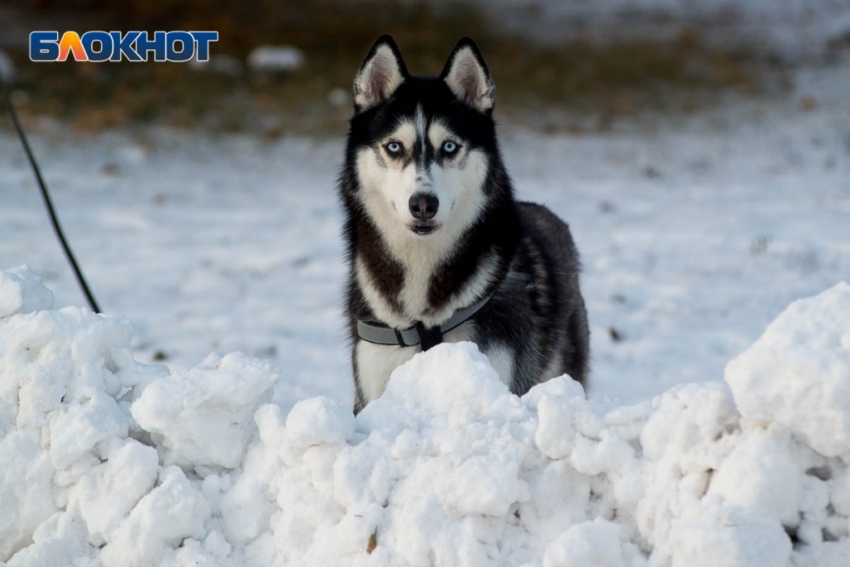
x: 224, y: 64
x: 764, y: 472
x: 163, y: 518
x: 319, y: 420
x: 271, y: 58
x: 206, y: 416
x: 711, y: 534
x: 110, y: 490
x: 26, y: 490
x: 430, y: 380
x: 21, y: 291
x: 598, y: 543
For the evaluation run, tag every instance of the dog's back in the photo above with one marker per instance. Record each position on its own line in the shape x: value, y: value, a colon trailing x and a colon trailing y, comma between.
x: 568, y: 314
x: 537, y: 317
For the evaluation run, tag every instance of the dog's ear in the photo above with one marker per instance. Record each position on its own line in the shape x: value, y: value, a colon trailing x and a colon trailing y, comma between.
x: 380, y: 74
x: 467, y: 77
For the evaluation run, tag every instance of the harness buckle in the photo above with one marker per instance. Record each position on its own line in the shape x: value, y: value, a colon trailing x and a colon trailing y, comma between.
x: 429, y: 336
x: 399, y: 338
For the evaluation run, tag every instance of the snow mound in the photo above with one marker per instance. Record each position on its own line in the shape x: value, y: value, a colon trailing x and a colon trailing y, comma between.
x: 105, y: 461
x: 798, y: 373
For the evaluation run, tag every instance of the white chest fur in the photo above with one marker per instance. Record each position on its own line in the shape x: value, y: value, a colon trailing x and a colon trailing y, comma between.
x: 375, y: 363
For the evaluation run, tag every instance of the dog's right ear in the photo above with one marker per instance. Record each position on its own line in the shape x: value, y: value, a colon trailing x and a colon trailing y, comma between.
x: 381, y: 73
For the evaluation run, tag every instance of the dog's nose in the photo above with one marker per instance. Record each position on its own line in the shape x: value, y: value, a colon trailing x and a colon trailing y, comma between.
x: 423, y: 206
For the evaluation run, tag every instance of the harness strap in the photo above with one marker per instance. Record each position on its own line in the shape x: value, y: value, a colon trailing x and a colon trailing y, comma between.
x: 418, y: 333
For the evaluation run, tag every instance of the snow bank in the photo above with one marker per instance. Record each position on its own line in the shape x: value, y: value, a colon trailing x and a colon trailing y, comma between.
x: 104, y: 461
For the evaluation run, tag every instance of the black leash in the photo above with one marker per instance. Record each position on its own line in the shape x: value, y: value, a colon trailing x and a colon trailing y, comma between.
x: 46, y: 195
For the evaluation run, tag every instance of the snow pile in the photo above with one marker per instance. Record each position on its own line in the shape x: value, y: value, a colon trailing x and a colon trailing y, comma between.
x: 104, y: 461
x: 807, y: 350
x: 81, y: 482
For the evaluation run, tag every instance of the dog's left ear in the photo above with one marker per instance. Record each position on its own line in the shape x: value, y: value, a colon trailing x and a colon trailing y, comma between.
x: 467, y: 77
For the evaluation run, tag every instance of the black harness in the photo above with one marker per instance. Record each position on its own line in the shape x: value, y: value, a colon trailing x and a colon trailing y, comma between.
x: 428, y: 337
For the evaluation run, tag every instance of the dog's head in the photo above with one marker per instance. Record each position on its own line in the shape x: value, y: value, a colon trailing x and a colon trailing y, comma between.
x: 421, y: 147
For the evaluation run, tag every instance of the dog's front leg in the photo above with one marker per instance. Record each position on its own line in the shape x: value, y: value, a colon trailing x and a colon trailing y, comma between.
x: 373, y: 366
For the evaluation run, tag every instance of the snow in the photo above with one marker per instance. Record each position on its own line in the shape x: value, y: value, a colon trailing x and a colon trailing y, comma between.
x: 812, y: 363
x: 232, y: 244
x: 224, y: 64
x: 19, y: 292
x: 792, y: 29
x: 275, y: 58
x: 107, y: 461
x: 7, y: 68
x: 206, y: 415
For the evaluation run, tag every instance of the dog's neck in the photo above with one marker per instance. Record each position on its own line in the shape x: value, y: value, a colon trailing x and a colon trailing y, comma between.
x: 428, y: 279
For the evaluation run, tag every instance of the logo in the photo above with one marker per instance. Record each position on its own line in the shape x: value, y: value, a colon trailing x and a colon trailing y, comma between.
x: 100, y: 46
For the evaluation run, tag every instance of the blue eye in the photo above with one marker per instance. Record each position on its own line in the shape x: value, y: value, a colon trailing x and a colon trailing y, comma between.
x: 450, y: 148
x: 393, y: 148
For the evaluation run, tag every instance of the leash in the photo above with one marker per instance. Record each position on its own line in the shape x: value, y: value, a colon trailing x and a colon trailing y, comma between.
x: 46, y: 196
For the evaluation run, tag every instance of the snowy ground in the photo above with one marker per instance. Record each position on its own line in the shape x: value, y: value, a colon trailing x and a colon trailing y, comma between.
x: 792, y: 29
x: 695, y: 234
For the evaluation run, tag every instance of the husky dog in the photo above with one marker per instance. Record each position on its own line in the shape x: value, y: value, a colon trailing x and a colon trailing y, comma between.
x: 438, y: 249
